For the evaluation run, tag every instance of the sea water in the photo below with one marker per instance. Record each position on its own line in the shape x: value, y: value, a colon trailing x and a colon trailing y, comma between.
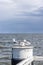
x: 35, y: 39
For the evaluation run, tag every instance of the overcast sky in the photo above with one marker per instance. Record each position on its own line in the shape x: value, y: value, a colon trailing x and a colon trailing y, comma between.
x: 21, y: 16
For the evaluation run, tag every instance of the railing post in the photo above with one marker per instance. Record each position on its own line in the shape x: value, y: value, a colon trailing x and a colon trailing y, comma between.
x: 12, y: 53
x: 32, y: 63
x: 12, y: 57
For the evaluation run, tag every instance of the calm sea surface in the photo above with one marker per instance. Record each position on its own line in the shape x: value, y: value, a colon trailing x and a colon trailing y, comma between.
x: 35, y: 39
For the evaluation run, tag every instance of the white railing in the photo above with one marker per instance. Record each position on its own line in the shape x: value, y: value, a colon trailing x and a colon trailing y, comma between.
x: 26, y: 61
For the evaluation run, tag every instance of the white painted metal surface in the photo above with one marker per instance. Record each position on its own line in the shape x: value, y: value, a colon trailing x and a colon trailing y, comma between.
x: 27, y: 61
x: 38, y: 58
x: 22, y: 53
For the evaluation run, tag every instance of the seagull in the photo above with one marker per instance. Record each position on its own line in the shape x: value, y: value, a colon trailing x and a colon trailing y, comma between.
x: 24, y: 40
x: 22, y: 44
x: 27, y: 42
x: 14, y: 40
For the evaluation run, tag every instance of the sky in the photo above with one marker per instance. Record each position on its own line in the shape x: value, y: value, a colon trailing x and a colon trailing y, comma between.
x: 21, y: 16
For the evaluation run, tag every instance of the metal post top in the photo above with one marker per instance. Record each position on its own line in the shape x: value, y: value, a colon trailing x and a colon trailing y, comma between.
x: 25, y: 47
x: 22, y: 44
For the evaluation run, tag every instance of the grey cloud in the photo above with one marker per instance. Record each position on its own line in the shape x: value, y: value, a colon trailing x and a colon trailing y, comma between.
x: 11, y: 8
x: 38, y: 12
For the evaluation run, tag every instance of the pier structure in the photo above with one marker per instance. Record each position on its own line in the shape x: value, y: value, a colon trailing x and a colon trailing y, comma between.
x: 22, y: 53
